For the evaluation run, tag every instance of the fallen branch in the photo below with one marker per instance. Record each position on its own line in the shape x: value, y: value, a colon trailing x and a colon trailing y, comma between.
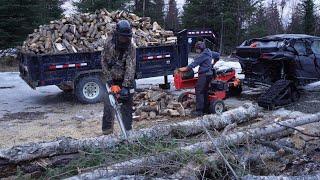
x: 306, y: 177
x: 229, y: 128
x: 299, y: 131
x: 220, y: 154
x: 276, y: 146
x: 140, y: 164
x: 189, y: 172
x: 132, y: 177
x: 28, y: 153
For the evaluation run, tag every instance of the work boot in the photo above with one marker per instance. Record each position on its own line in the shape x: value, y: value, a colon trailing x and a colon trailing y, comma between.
x: 107, y: 131
x: 196, y: 113
x: 207, y: 111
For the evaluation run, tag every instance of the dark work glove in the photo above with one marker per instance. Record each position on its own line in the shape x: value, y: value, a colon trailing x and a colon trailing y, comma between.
x: 110, y: 83
x: 124, y: 94
x: 105, y: 80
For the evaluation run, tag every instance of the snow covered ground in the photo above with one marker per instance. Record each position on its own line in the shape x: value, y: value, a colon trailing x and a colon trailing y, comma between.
x: 69, y: 8
x: 313, y: 86
x: 28, y: 115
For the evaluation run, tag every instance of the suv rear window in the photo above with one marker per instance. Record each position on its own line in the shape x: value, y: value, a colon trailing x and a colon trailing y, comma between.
x: 265, y: 44
x: 316, y: 47
x: 300, y: 47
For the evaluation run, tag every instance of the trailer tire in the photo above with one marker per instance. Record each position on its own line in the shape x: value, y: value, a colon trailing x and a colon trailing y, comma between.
x: 90, y: 90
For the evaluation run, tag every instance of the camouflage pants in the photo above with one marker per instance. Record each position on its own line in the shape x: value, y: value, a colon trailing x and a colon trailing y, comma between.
x: 109, y: 114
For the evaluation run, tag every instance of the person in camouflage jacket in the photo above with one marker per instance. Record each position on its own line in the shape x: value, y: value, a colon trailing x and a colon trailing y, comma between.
x: 118, y: 62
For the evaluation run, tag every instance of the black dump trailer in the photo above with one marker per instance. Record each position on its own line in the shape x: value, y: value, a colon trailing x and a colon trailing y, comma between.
x: 80, y: 72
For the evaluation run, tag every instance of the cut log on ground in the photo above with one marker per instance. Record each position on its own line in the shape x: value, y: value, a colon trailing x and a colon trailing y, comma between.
x: 306, y: 177
x: 62, y: 146
x: 141, y: 164
x: 190, y: 172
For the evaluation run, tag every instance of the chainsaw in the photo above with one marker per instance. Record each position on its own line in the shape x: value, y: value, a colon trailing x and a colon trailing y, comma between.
x: 116, y: 106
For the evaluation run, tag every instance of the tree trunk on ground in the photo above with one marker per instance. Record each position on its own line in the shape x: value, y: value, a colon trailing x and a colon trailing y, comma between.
x: 65, y: 146
x: 141, y: 164
x: 306, y: 177
x: 189, y: 172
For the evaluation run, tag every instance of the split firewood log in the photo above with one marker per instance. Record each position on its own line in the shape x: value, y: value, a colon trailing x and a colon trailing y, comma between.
x: 93, y: 27
x: 171, y: 112
x: 149, y: 108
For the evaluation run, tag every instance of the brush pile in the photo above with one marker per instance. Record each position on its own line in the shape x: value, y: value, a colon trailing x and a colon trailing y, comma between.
x: 87, y: 32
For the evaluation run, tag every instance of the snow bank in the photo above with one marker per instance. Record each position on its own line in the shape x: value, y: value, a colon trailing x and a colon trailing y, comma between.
x: 69, y: 8
x: 313, y: 86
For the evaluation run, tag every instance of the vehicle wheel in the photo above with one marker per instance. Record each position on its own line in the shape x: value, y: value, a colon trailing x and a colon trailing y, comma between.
x: 295, y: 95
x: 65, y: 89
x: 164, y: 86
x: 90, y: 90
x: 271, y: 107
x: 183, y: 97
x: 217, y: 107
x: 235, y: 91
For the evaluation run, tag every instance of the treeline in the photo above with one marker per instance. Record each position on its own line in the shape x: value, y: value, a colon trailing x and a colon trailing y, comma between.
x: 238, y: 20
x: 234, y: 21
x: 18, y: 18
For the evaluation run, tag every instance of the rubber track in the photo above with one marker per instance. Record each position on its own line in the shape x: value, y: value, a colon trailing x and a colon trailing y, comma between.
x: 269, y: 98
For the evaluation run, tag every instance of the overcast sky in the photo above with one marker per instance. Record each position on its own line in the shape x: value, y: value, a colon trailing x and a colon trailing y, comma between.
x: 180, y: 3
x: 290, y: 5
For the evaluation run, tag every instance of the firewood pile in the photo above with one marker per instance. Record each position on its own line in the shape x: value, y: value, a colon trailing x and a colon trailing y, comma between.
x: 8, y: 53
x: 156, y: 103
x: 87, y: 32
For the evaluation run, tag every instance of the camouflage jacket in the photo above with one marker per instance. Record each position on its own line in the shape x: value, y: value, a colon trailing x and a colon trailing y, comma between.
x: 116, y: 68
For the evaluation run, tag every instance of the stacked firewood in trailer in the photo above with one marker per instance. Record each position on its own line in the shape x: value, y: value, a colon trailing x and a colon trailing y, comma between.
x: 87, y: 32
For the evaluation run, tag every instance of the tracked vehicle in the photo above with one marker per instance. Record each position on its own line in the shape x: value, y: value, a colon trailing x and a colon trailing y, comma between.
x: 284, y: 62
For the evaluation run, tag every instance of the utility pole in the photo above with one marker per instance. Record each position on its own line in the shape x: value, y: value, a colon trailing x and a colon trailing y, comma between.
x: 221, y: 34
x: 282, y: 4
x: 144, y: 7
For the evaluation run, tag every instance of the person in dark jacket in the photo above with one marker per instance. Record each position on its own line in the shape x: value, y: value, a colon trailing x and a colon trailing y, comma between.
x: 205, y: 74
x: 118, y: 62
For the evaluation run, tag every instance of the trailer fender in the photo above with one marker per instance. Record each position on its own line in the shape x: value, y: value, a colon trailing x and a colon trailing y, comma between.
x: 94, y: 72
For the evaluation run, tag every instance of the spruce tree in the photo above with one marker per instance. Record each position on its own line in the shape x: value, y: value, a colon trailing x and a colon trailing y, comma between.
x: 93, y: 5
x: 233, y: 15
x: 309, y: 17
x: 273, y: 22
x: 257, y: 26
x: 19, y: 18
x: 172, y: 21
x: 153, y: 9
x: 296, y: 25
